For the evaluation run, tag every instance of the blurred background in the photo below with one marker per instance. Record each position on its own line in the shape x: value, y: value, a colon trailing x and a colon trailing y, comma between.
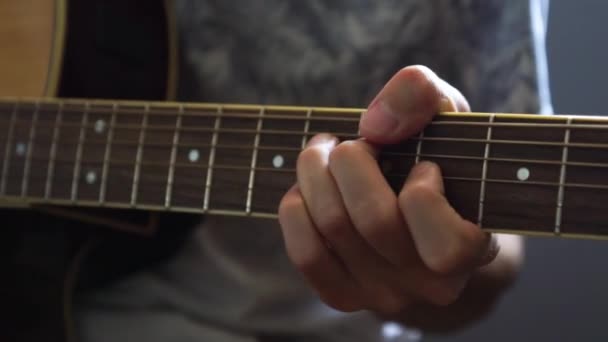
x: 561, y: 295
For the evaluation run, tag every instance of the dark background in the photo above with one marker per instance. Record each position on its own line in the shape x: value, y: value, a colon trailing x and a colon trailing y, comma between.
x: 562, y: 294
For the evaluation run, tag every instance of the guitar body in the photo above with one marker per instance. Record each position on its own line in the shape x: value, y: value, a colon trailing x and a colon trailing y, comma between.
x: 115, y: 49
x: 93, y: 49
x: 29, y: 38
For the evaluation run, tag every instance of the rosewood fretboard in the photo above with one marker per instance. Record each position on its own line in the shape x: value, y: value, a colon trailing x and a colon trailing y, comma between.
x: 518, y: 173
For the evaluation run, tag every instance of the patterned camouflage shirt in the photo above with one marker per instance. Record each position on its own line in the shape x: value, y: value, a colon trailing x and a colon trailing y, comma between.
x: 233, y: 279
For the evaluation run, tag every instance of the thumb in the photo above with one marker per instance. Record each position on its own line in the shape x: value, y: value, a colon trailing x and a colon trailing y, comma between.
x: 407, y: 103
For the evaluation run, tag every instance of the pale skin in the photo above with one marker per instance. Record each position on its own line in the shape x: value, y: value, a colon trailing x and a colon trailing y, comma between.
x: 407, y: 256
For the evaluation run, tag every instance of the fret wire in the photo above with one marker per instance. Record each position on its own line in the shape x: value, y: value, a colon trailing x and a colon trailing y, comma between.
x: 306, y: 127
x: 419, y: 146
x: 79, y: 148
x: 53, y: 153
x: 8, y: 149
x: 216, y: 125
x: 175, y: 142
x: 254, y: 160
x: 484, y: 170
x: 30, y: 147
x: 140, y: 147
x: 562, y: 180
x: 103, y: 186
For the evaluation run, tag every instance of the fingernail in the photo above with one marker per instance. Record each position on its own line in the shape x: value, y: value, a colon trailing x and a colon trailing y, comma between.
x: 322, y: 138
x: 491, y: 252
x: 379, y: 119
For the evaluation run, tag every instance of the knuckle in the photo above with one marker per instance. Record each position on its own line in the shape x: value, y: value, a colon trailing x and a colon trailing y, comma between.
x: 310, y: 155
x: 341, y: 302
x: 308, y: 261
x: 390, y: 302
x: 448, y: 261
x: 459, y: 255
x: 333, y: 223
x: 289, y: 205
x: 416, y: 72
x: 413, y: 195
x: 444, y: 263
x: 424, y: 80
x: 304, y: 259
x: 445, y: 295
x: 375, y: 218
x: 383, y: 216
x: 466, y: 238
x: 344, y: 150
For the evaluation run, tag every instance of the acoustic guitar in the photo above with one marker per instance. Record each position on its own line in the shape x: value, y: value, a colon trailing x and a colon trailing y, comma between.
x: 73, y: 148
x: 90, y: 130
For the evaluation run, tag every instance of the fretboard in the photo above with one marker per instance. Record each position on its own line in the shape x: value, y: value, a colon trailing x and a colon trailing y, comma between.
x: 524, y: 174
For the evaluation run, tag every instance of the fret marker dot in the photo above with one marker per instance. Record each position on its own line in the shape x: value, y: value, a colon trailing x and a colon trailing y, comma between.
x: 193, y: 155
x: 20, y: 149
x: 91, y: 177
x: 100, y: 126
x: 523, y: 174
x: 278, y: 161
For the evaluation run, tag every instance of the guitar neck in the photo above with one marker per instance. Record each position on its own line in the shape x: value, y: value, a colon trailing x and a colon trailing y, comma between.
x: 523, y: 174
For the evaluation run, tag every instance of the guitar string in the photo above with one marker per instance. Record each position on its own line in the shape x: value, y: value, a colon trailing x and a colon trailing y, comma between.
x: 302, y: 117
x: 387, y: 174
x: 171, y: 129
x: 405, y: 154
x: 402, y: 176
x: 162, y: 146
x: 437, y: 122
x: 386, y: 153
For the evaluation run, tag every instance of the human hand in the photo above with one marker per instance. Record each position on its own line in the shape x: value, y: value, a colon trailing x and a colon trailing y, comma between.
x: 360, y: 245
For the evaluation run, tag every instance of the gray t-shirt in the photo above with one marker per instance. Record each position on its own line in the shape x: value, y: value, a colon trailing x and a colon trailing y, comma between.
x: 232, y: 279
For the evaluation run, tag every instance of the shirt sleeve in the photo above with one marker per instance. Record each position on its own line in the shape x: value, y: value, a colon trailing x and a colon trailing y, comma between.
x: 494, y: 52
